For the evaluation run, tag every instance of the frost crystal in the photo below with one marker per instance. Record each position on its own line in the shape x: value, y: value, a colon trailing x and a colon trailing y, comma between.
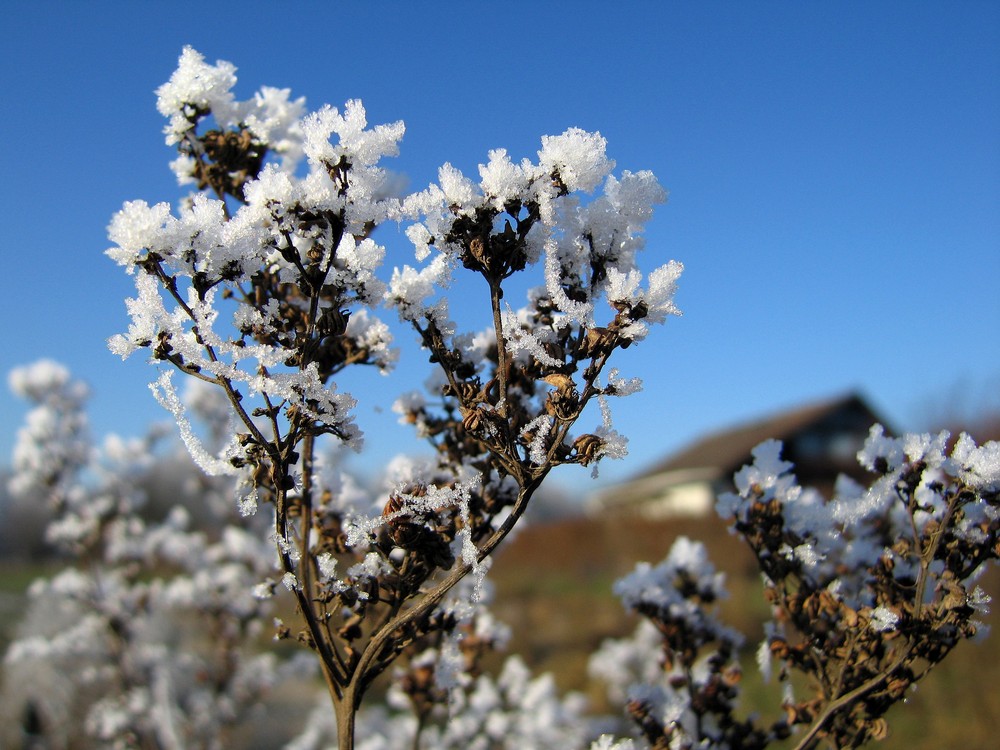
x: 164, y: 392
x: 883, y: 619
x: 194, y: 86
x: 578, y: 157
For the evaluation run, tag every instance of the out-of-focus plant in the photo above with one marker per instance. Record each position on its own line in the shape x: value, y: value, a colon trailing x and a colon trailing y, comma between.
x: 149, y: 638
x: 870, y: 591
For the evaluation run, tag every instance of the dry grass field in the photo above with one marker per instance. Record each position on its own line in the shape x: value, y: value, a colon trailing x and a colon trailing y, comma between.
x: 553, y: 587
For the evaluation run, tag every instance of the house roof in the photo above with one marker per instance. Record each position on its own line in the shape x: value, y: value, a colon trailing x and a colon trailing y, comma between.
x: 726, y: 450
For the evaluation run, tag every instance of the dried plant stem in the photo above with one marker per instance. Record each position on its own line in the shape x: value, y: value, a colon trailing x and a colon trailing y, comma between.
x: 847, y: 700
x: 370, y: 664
x: 503, y: 356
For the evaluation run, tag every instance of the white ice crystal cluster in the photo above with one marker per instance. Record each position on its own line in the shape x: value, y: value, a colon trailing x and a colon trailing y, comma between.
x: 196, y: 85
x: 677, y: 587
x: 196, y: 88
x: 847, y: 532
x: 571, y: 236
x: 55, y: 434
x: 204, y: 253
x: 582, y: 247
x: 198, y: 264
x: 624, y: 663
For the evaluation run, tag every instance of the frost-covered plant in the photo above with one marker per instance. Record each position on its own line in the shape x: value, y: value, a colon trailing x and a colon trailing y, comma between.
x: 870, y: 590
x: 149, y: 638
x: 264, y: 283
x: 679, y: 673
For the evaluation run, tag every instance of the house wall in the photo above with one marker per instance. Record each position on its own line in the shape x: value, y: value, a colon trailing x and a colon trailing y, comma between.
x: 682, y: 500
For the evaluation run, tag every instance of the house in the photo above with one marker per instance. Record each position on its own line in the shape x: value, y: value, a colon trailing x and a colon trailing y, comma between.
x: 821, y: 439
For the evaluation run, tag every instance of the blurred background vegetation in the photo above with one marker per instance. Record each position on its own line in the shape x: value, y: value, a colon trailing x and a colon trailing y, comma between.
x: 553, y: 587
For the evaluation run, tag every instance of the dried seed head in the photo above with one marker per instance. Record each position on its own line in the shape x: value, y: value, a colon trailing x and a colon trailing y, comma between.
x: 393, y: 505
x: 333, y: 322
x: 599, y: 341
x: 473, y: 420
x: 477, y: 249
x: 261, y: 474
x: 588, y: 448
x: 563, y: 383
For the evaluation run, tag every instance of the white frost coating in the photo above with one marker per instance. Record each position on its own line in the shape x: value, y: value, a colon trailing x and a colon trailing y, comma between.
x: 614, y: 445
x: 621, y: 663
x: 327, y: 564
x: 247, y: 503
x: 205, y: 258
x: 578, y: 156
x: 633, y: 197
x: 421, y: 237
x: 136, y: 227
x: 143, y: 577
x: 979, y: 466
x: 879, y: 446
x: 538, y: 447
x: 44, y: 379
x: 658, y: 299
x: 195, y: 84
x: 361, y: 260
x: 450, y: 667
x: 513, y: 710
x: 649, y: 585
x: 883, y: 619
x: 410, y: 289
x: 621, y: 386
x: 264, y: 591
x: 164, y: 392
x: 457, y: 189
x: 365, y: 146
x: 502, y: 180
x: 519, y: 338
x: 979, y: 600
x: 274, y: 119
x: 288, y: 547
x: 54, y: 441
x: 577, y: 312
x: 763, y: 657
x: 767, y: 467
x: 842, y: 540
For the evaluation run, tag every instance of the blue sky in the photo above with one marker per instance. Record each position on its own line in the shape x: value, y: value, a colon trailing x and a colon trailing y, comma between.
x: 833, y: 168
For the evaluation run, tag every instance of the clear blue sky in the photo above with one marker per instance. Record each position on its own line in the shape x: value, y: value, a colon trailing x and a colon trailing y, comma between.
x: 834, y: 171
